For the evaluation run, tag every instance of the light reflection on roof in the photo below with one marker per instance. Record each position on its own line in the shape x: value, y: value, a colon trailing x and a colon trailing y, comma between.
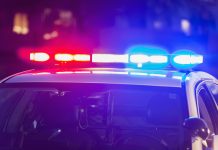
x: 97, y: 75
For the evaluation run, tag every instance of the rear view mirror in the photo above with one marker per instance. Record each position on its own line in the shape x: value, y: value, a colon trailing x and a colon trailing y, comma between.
x: 197, y: 127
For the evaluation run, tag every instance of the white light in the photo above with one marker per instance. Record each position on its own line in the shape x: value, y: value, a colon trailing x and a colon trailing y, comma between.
x: 197, y: 59
x: 64, y: 57
x: 82, y: 57
x: 39, y: 56
x: 185, y: 26
x: 188, y: 59
x: 110, y: 58
x: 158, y: 59
x: 139, y: 58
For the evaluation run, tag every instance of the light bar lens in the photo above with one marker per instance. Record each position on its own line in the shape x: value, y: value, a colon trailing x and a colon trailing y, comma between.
x: 40, y: 57
x: 188, y: 59
x: 185, y: 59
x: 158, y: 59
x: 81, y: 57
x: 139, y: 58
x: 71, y: 57
x: 63, y: 57
x: 110, y: 58
x: 145, y: 59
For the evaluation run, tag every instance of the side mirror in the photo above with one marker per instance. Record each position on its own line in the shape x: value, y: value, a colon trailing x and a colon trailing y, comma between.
x: 197, y: 127
x: 215, y: 142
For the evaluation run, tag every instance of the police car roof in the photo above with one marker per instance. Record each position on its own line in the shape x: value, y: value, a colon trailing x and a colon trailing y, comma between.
x: 163, y: 78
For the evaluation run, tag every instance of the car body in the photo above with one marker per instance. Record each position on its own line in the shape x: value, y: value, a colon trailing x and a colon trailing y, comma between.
x: 114, y: 109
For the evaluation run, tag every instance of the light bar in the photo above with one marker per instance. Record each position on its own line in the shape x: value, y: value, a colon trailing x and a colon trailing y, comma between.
x: 110, y: 58
x: 63, y: 57
x: 39, y: 56
x: 181, y: 59
x: 188, y: 59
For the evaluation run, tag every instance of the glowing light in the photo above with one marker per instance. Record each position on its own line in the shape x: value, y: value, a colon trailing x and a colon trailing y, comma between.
x: 21, y: 24
x: 139, y: 58
x: 185, y: 26
x: 81, y: 57
x: 158, y: 59
x: 145, y: 59
x: 49, y: 36
x: 54, y: 34
x: 41, y: 57
x: 185, y: 59
x: 64, y: 57
x: 110, y: 58
x: 188, y: 59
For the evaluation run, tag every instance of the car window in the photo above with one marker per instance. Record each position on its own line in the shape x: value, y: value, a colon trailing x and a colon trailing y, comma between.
x: 9, y: 97
x: 214, y: 90
x: 98, y: 117
x: 203, y: 99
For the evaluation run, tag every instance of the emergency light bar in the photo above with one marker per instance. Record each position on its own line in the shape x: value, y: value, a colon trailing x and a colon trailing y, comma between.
x: 181, y: 59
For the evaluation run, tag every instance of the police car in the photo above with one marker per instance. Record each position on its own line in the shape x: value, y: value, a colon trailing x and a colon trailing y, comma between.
x: 110, y: 108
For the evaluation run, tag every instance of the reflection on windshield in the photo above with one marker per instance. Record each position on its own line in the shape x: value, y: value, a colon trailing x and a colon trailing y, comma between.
x: 88, y: 119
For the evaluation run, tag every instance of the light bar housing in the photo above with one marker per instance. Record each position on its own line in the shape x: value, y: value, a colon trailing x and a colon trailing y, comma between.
x: 182, y: 59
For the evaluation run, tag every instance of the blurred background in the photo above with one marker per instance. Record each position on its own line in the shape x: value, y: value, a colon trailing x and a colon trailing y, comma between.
x: 107, y: 26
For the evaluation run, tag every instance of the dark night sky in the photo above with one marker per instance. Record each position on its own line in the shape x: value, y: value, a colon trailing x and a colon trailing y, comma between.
x: 96, y: 17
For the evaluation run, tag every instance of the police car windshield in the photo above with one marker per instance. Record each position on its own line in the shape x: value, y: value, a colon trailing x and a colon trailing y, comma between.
x: 91, y: 117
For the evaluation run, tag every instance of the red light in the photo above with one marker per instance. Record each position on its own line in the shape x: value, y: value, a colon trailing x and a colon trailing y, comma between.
x: 39, y: 56
x: 82, y: 57
x: 64, y: 57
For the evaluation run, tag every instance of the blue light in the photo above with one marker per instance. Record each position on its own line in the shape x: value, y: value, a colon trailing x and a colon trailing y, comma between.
x: 149, y: 57
x: 185, y: 59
